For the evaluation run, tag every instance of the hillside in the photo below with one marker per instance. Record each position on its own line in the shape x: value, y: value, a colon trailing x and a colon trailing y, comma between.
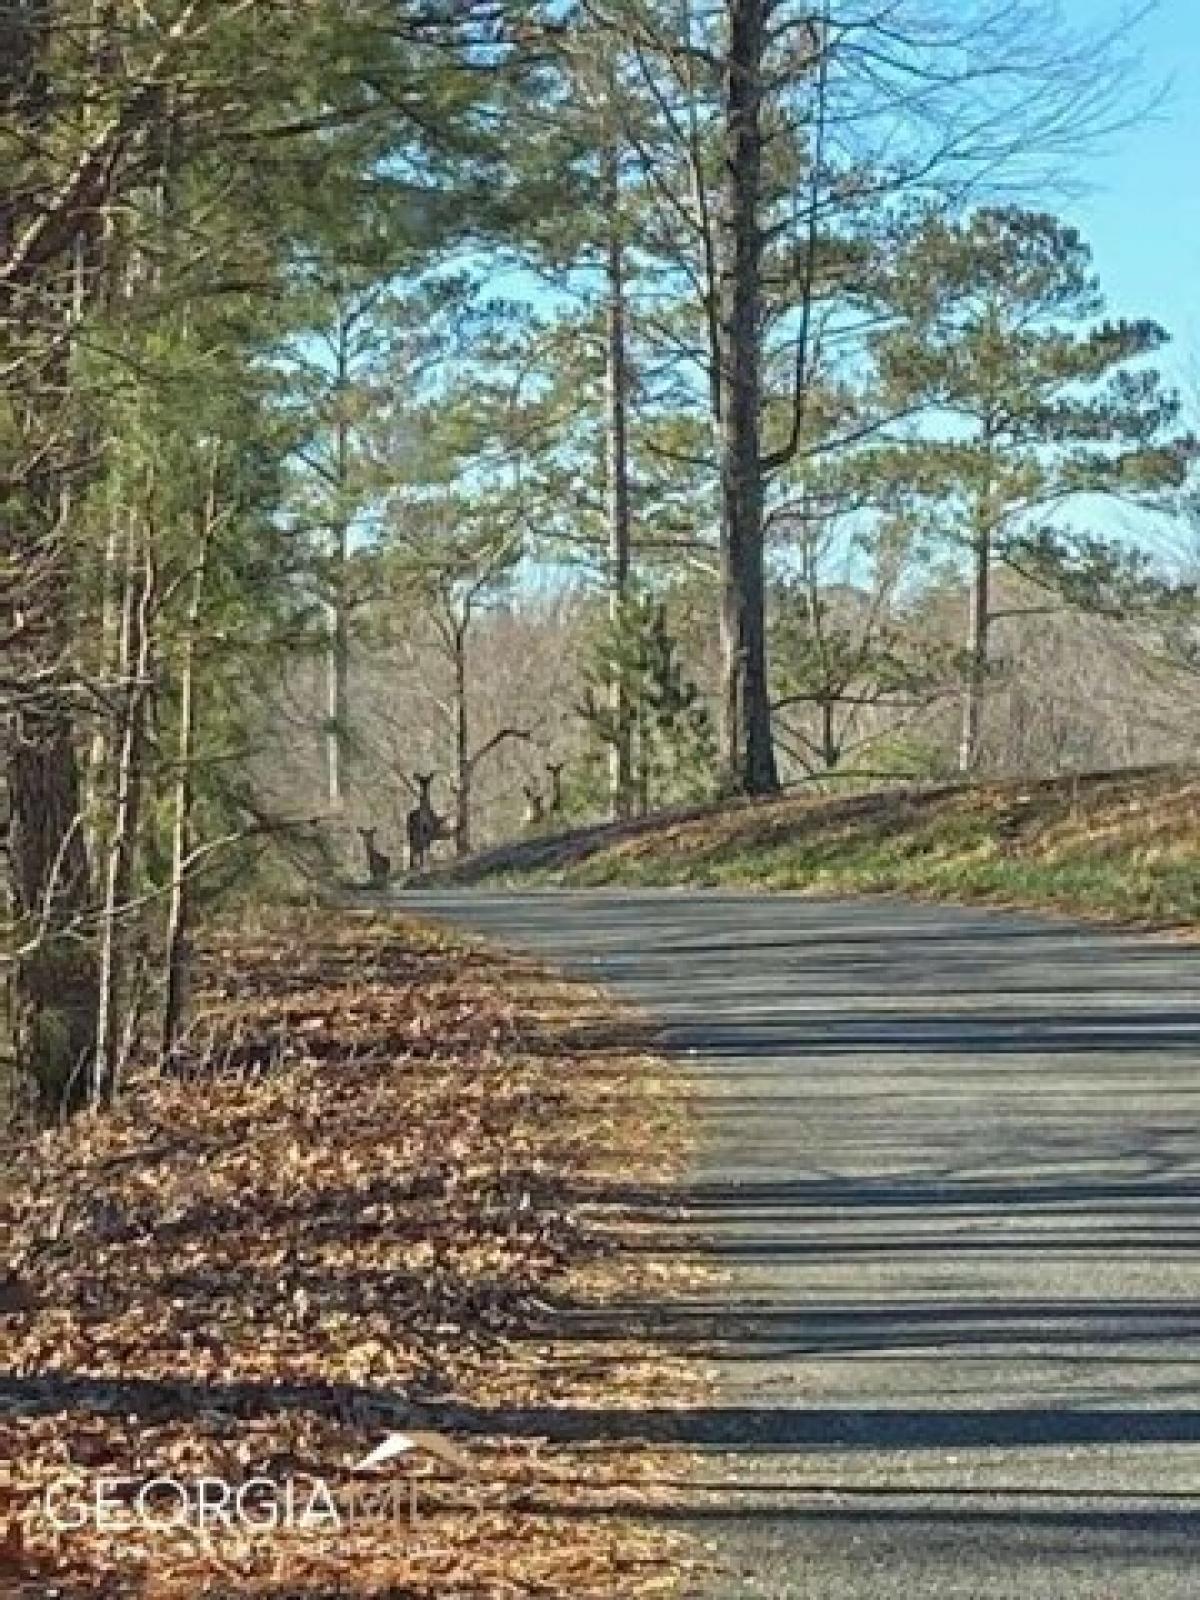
x: 1123, y: 844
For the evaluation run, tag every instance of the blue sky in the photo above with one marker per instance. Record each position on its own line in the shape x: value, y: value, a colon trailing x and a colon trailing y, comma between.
x: 1141, y: 206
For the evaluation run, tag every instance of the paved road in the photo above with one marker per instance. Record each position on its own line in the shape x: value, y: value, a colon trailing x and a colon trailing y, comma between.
x: 951, y: 1162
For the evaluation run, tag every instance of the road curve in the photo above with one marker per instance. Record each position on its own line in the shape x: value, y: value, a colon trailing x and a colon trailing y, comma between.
x: 951, y: 1165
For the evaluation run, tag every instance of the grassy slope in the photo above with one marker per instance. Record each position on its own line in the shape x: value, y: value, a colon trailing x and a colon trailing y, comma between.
x: 1124, y: 845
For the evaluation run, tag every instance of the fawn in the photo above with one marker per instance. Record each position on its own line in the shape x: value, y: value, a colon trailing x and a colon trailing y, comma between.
x: 379, y: 866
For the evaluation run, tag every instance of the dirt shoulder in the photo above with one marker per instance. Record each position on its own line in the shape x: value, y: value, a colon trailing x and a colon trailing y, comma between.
x: 381, y: 1193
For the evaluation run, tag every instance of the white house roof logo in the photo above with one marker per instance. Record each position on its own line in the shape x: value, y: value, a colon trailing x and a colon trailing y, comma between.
x: 413, y: 1446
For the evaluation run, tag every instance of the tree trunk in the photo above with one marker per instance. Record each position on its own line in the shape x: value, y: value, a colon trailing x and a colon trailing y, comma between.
x: 55, y: 976
x: 337, y: 657
x: 96, y: 760
x: 979, y: 617
x: 747, y: 748
x: 462, y: 748
x: 337, y: 673
x: 134, y: 670
x: 645, y: 755
x: 178, y: 943
x: 620, y: 754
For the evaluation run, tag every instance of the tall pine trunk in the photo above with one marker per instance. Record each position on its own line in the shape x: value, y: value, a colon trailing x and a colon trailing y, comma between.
x: 979, y: 617
x: 337, y: 650
x: 178, y: 942
x: 337, y: 676
x: 54, y: 975
x: 121, y: 849
x: 55, y: 978
x: 177, y: 960
x: 620, y: 753
x: 747, y: 747
x: 463, y: 765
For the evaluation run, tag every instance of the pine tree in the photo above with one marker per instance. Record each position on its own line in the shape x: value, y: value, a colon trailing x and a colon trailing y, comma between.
x: 1033, y: 400
x: 672, y: 750
x: 189, y: 160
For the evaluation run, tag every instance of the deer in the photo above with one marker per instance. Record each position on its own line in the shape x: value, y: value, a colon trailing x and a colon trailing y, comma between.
x: 535, y: 806
x: 554, y: 771
x: 379, y: 866
x: 423, y: 823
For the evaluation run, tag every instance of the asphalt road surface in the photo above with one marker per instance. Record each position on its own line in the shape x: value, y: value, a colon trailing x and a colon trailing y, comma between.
x: 951, y: 1165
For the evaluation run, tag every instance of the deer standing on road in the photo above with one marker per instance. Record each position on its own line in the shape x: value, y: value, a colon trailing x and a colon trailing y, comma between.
x: 424, y: 824
x: 379, y: 866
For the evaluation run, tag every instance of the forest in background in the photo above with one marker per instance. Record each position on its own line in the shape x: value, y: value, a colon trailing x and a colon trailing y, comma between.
x: 584, y: 407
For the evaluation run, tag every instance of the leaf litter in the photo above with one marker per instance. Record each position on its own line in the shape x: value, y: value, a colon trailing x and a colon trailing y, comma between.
x: 370, y: 1194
